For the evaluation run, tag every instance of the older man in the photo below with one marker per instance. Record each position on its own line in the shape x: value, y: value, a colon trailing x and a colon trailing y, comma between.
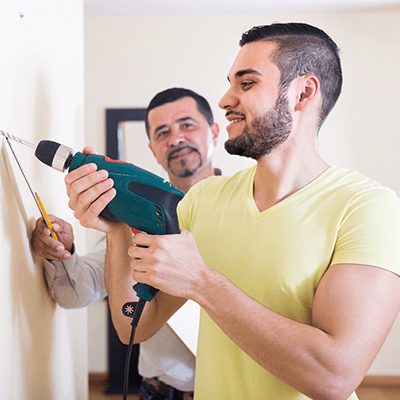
x: 182, y: 135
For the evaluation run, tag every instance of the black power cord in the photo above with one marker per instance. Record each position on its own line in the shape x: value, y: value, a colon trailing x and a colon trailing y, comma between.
x: 134, y: 311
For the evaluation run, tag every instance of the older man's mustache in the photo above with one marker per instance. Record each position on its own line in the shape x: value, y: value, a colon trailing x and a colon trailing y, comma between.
x: 173, y: 153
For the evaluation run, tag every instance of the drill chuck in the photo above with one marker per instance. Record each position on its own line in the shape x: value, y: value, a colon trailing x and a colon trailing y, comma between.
x: 54, y: 154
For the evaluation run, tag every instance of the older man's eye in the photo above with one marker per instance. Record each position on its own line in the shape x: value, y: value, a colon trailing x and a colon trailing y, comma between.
x: 161, y: 134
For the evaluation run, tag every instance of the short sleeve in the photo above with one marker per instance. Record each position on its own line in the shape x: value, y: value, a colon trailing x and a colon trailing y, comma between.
x: 370, y: 231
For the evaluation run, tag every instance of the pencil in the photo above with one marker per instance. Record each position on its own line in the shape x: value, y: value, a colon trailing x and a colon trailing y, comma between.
x: 54, y: 235
x: 46, y: 217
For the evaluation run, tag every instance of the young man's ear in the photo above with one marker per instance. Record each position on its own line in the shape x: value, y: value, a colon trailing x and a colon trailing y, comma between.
x: 308, y: 90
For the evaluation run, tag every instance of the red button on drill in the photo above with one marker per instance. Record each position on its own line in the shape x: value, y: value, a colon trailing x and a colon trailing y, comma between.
x: 108, y: 159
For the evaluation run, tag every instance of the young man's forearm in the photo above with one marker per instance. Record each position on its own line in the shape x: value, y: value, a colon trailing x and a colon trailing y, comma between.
x: 324, y: 361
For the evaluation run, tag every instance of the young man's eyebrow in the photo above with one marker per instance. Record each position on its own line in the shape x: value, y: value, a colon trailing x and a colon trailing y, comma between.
x: 248, y: 71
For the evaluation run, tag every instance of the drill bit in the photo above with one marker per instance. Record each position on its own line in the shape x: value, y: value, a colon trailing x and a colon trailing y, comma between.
x: 37, y: 200
x: 19, y: 140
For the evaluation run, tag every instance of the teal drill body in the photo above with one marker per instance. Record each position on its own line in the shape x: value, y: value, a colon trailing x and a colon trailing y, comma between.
x: 144, y: 201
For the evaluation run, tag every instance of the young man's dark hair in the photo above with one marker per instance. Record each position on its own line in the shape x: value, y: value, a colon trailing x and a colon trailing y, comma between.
x: 302, y: 50
x: 174, y: 94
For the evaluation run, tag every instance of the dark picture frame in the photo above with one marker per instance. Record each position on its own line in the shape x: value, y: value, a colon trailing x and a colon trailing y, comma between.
x: 115, y: 117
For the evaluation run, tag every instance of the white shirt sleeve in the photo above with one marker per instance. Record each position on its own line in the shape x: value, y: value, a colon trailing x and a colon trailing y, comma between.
x: 86, y: 272
x: 164, y: 356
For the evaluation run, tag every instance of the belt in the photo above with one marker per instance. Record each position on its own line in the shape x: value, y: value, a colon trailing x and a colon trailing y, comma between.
x: 153, y: 388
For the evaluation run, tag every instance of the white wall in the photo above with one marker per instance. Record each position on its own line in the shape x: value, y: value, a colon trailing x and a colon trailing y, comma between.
x: 43, y: 348
x: 129, y: 59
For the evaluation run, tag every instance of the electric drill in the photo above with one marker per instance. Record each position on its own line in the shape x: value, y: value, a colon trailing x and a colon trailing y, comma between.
x: 144, y: 201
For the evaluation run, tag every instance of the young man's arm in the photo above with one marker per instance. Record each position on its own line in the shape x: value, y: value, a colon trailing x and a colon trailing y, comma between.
x: 354, y: 309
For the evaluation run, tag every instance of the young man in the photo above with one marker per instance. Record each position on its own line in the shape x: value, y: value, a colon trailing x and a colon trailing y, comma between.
x: 182, y: 135
x: 295, y: 263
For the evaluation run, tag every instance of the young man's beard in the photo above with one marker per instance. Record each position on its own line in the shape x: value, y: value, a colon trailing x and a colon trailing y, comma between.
x: 266, y: 133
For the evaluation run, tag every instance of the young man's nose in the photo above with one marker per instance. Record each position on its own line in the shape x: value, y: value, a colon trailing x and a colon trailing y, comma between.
x: 228, y: 100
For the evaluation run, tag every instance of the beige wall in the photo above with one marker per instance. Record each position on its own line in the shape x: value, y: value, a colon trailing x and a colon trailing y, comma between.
x: 128, y: 60
x: 43, y: 348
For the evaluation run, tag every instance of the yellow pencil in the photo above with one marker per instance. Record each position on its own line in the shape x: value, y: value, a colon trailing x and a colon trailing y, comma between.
x: 46, y: 217
x: 54, y: 235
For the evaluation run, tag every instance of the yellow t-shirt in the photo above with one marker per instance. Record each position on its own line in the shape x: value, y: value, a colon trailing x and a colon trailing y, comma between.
x: 278, y: 257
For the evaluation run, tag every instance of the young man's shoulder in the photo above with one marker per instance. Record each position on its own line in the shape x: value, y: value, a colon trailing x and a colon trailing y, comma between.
x: 356, y: 184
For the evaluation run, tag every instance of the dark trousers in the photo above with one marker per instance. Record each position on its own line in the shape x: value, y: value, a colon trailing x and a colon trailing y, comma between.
x: 153, y: 389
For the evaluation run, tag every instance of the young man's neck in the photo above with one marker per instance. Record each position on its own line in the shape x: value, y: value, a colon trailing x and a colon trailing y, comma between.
x: 279, y: 177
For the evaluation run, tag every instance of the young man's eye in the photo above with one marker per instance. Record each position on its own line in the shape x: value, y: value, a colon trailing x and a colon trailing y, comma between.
x: 247, y: 84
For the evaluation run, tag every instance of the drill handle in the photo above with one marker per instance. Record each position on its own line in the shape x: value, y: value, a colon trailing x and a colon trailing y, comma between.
x: 144, y: 291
